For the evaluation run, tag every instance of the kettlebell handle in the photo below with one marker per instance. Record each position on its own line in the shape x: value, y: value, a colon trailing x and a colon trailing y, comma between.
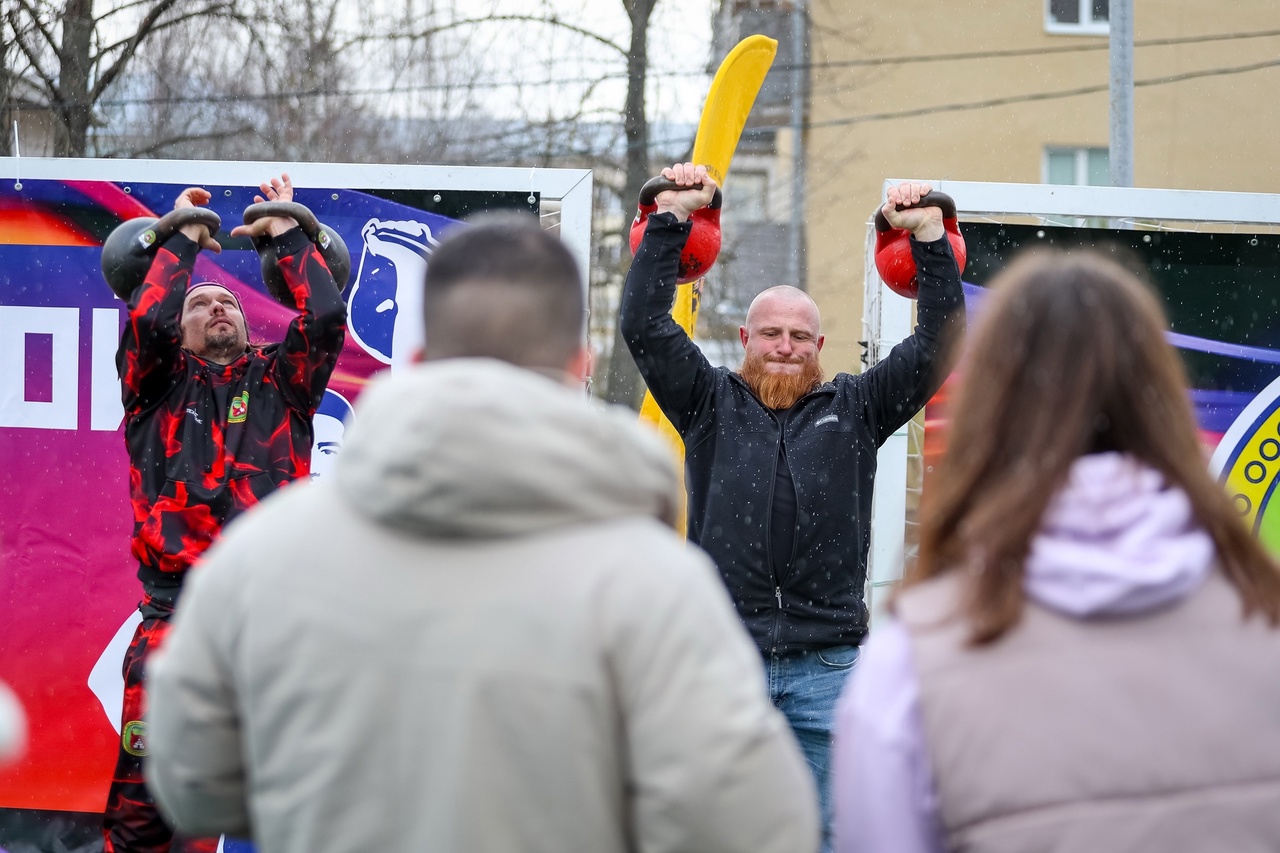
x: 131, y: 246
x: 934, y: 198
x: 300, y: 212
x: 653, y: 186
x: 330, y: 244
x: 177, y: 219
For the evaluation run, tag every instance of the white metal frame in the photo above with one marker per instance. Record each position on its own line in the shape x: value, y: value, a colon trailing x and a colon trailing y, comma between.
x: 570, y: 187
x: 887, y: 317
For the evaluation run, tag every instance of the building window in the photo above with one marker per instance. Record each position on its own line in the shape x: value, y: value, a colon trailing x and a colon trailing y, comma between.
x: 747, y: 198
x: 1086, y: 167
x: 1080, y: 17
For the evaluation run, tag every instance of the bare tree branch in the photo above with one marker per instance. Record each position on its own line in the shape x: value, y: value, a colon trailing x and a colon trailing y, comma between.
x: 160, y: 145
x: 27, y: 50
x: 216, y: 10
x: 31, y: 11
x: 460, y: 23
x: 144, y: 28
x: 120, y: 8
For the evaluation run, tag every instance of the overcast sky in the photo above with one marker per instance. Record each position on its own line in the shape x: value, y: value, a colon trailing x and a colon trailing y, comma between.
x: 679, y: 51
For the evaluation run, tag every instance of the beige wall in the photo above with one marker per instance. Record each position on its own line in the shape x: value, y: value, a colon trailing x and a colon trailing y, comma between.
x: 1212, y: 133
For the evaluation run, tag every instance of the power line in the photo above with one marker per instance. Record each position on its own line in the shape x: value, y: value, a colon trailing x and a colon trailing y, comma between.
x: 394, y: 90
x: 1030, y: 51
x: 870, y: 117
x: 1034, y: 96
x: 998, y: 102
x: 1012, y: 99
x: 570, y: 81
x: 962, y: 107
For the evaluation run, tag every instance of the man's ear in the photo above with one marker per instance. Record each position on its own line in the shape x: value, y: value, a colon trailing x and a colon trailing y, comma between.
x: 579, y: 365
x: 743, y: 336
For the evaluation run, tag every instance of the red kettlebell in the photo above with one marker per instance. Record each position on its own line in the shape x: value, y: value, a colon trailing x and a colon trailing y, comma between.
x: 893, y: 246
x: 703, y: 246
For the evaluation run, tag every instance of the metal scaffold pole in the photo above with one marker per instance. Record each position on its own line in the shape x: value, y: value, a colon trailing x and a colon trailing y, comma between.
x: 1121, y: 153
x: 795, y: 253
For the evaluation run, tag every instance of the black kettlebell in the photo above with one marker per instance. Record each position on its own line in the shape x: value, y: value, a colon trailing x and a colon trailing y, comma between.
x: 129, y: 250
x: 331, y: 246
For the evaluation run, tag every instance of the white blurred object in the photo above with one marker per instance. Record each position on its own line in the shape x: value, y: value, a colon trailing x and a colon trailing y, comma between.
x: 13, y: 726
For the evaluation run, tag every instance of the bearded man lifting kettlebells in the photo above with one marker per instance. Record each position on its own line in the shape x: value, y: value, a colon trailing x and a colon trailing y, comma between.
x: 213, y: 423
x: 780, y: 461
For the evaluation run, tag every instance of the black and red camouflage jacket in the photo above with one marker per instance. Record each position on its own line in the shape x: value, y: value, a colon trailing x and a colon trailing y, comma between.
x: 208, y: 441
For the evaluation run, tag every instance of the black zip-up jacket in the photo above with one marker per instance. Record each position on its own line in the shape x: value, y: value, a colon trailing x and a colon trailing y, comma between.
x: 830, y: 438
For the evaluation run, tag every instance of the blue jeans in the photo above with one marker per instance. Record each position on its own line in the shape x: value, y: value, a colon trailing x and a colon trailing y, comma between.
x: 805, y: 687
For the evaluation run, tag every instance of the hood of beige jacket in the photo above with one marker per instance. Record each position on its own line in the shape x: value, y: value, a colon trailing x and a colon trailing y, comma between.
x: 481, y: 448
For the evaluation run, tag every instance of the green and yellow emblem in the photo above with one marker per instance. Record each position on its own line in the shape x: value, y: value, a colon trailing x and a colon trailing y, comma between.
x: 239, y: 409
x: 134, y: 737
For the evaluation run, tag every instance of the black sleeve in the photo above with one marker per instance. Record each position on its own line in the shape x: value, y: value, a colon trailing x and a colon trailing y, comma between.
x: 150, y: 356
x: 677, y: 373
x: 306, y: 359
x: 899, y: 386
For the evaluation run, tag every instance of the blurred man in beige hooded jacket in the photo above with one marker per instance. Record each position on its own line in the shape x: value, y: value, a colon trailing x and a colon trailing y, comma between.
x: 480, y: 634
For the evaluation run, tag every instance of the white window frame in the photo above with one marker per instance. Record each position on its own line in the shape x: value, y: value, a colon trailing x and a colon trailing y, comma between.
x: 765, y: 179
x: 1087, y: 26
x: 1081, y: 153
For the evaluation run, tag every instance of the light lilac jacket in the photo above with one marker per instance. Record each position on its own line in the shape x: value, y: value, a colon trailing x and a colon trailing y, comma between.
x: 1115, y: 540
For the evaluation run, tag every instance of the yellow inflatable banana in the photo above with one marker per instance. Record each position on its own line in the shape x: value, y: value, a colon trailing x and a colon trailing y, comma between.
x: 724, y: 115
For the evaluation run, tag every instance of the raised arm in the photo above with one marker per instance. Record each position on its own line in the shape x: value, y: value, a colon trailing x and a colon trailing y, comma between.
x: 306, y: 358
x: 150, y: 353
x: 900, y: 385
x: 673, y: 367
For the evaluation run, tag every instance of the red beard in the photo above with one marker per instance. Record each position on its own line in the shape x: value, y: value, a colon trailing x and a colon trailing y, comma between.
x: 780, y: 390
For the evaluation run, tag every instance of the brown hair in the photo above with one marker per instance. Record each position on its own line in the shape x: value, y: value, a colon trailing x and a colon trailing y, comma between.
x: 1069, y: 358
x: 504, y: 288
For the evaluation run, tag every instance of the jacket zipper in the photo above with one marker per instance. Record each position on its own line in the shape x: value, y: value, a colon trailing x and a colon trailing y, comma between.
x: 776, y: 633
x: 795, y: 534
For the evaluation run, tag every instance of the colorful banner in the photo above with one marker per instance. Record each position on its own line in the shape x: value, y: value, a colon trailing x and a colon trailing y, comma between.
x: 68, y: 590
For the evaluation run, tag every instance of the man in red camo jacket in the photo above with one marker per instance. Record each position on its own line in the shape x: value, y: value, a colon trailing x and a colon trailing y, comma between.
x: 213, y: 424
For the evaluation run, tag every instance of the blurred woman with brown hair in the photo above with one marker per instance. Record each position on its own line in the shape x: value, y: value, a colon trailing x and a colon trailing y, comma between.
x: 1085, y: 656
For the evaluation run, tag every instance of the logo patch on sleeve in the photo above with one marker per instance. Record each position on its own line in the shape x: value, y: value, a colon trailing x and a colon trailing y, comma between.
x: 239, y: 409
x: 133, y: 737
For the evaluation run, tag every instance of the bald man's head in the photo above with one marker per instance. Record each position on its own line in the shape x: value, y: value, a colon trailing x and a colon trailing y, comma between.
x: 782, y: 337
x: 773, y: 299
